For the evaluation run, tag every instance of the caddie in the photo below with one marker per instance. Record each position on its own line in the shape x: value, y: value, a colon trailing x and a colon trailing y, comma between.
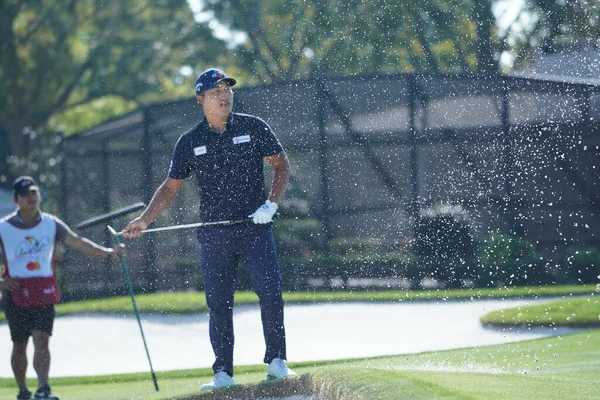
x: 28, y: 239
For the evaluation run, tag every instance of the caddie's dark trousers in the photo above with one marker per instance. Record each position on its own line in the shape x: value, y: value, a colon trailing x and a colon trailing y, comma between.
x: 220, y: 250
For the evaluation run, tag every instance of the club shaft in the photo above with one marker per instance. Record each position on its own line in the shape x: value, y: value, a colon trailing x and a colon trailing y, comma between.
x: 195, y: 225
x: 135, y: 308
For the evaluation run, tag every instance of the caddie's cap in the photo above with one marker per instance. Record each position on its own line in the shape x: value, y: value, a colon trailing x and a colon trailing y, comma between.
x: 209, y: 78
x: 24, y: 185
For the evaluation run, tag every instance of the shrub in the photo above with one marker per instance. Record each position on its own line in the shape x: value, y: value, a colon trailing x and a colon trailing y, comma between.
x: 187, y: 275
x: 360, y: 245
x: 583, y: 265
x: 509, y: 260
x: 444, y: 244
x: 298, y: 236
x: 296, y: 271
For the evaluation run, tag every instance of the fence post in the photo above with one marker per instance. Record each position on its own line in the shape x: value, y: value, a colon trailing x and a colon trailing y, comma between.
x: 147, y: 190
x: 413, y: 206
x: 323, y: 163
x: 508, y: 162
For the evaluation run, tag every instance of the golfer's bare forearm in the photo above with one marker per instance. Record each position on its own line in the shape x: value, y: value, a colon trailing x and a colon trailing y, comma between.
x: 280, y: 182
x: 281, y: 176
x: 162, y: 199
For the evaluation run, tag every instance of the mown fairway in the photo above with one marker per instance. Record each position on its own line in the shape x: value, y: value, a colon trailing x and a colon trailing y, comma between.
x: 564, y: 367
x: 561, y: 367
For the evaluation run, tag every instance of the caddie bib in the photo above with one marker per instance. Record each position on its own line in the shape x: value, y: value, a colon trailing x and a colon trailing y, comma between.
x: 28, y: 253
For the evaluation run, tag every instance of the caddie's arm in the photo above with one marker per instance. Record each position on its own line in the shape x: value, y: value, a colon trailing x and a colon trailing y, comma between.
x: 6, y: 283
x: 84, y: 245
x: 162, y: 199
x: 9, y: 284
x: 88, y: 247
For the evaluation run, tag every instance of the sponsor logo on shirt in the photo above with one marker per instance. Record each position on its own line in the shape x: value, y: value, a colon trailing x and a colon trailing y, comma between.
x: 33, y: 265
x: 31, y: 245
x: 241, y: 139
x: 199, y: 150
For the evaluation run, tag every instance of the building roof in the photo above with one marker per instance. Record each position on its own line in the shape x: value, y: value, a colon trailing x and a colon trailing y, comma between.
x: 571, y: 62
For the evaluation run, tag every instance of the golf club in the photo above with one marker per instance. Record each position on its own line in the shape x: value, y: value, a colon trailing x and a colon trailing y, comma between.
x: 195, y: 225
x: 110, y: 217
x: 135, y: 308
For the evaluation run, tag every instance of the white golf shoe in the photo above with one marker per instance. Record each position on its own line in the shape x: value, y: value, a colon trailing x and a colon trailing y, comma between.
x: 220, y: 380
x: 278, y: 369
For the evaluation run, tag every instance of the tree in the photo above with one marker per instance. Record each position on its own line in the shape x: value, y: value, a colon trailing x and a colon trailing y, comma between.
x: 544, y: 22
x: 58, y: 54
x: 294, y: 39
x: 572, y: 19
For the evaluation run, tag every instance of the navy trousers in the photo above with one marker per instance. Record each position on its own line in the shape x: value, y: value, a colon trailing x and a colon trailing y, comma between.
x: 221, y: 249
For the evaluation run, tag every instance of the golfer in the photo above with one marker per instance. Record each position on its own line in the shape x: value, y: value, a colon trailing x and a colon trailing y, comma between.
x: 226, y: 152
x: 29, y: 288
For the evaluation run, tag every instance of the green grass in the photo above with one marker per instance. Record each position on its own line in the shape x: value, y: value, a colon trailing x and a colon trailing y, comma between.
x: 551, y: 368
x: 574, y: 312
x: 541, y: 369
x: 194, y: 302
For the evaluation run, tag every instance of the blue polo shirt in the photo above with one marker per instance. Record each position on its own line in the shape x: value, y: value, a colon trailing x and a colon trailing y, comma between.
x: 228, y: 166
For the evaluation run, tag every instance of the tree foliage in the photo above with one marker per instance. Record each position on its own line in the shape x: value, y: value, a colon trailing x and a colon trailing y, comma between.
x: 296, y: 38
x: 69, y: 64
x: 56, y: 55
x: 545, y: 22
x: 570, y: 19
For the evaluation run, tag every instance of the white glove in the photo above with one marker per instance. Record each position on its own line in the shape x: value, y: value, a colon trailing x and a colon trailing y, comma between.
x: 265, y: 213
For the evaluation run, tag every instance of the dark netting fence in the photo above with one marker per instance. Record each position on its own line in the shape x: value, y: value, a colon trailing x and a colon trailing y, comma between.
x: 378, y: 161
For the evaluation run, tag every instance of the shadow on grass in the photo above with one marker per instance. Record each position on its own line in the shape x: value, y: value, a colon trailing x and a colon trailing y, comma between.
x: 304, y: 387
